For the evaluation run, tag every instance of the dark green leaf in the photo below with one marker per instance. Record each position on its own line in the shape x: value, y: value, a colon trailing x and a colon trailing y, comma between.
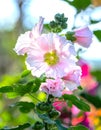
x: 97, y: 75
x: 79, y: 4
x: 24, y: 107
x: 59, y: 126
x: 25, y: 73
x: 6, y: 89
x: 46, y: 118
x: 79, y: 127
x: 36, y: 84
x: 98, y: 34
x: 20, y: 127
x: 77, y: 102
x: 94, y: 21
x: 95, y: 100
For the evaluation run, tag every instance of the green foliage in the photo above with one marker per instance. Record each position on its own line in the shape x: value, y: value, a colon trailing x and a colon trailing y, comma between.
x: 97, y: 75
x: 38, y: 126
x: 25, y: 73
x: 98, y: 34
x: 60, y: 126
x: 24, y: 107
x: 79, y: 127
x: 77, y: 102
x: 20, y: 127
x: 95, y: 100
x: 46, y: 118
x: 58, y: 24
x: 79, y: 4
x: 6, y: 89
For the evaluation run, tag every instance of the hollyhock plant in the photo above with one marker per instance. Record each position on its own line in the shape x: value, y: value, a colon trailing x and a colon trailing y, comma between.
x: 53, y: 63
x: 83, y: 36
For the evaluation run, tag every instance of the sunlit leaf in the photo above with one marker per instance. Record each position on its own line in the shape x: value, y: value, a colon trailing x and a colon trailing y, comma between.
x: 25, y: 73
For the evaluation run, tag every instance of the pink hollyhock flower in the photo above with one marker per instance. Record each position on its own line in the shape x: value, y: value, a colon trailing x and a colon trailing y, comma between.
x: 72, y: 79
x: 53, y: 87
x: 52, y: 55
x: 25, y: 41
x: 83, y: 36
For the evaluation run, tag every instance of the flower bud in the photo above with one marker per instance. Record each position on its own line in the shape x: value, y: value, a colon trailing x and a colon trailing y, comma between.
x: 38, y: 126
x: 54, y: 114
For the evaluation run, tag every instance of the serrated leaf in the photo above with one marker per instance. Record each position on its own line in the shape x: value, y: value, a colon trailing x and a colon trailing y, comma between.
x: 79, y: 127
x: 79, y: 103
x: 98, y: 34
x: 25, y: 73
x: 24, y: 107
x: 6, y: 89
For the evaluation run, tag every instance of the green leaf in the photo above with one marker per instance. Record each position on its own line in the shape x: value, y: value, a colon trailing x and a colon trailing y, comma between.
x: 36, y: 84
x: 59, y: 126
x: 24, y: 107
x: 95, y: 100
x: 6, y: 89
x: 25, y: 73
x: 20, y: 127
x: 94, y: 21
x: 23, y: 89
x: 97, y: 75
x: 98, y: 34
x: 46, y: 118
x: 79, y: 5
x: 79, y: 127
x: 77, y: 102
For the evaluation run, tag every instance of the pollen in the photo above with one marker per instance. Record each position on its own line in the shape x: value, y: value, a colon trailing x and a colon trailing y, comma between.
x: 51, y: 58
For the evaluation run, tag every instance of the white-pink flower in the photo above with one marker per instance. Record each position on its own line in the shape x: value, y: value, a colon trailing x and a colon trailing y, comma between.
x: 83, y: 36
x: 52, y: 55
x: 52, y: 87
x: 73, y: 78
x: 25, y: 41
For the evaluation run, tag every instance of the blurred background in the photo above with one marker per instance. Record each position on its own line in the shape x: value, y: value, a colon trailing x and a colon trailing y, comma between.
x: 18, y: 16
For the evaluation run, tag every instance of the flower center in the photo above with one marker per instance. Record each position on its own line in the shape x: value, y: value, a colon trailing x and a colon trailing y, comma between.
x: 51, y: 58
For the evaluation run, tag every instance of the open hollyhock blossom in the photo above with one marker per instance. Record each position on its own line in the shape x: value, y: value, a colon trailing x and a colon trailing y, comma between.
x: 25, y: 41
x: 83, y: 36
x: 52, y: 55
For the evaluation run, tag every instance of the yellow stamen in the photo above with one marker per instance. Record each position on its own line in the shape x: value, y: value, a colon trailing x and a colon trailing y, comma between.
x: 51, y: 58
